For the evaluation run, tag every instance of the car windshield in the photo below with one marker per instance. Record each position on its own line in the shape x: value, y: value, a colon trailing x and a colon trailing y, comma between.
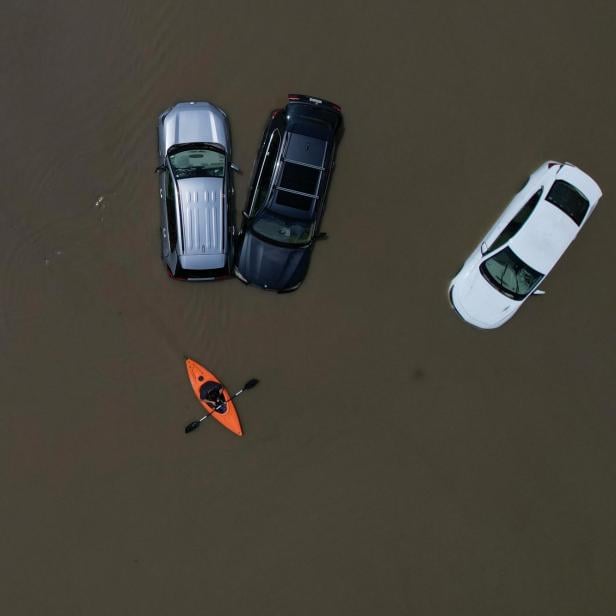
x: 197, y: 163
x: 282, y: 230
x: 509, y: 274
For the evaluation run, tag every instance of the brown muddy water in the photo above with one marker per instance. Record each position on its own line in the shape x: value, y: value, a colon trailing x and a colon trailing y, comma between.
x: 396, y: 461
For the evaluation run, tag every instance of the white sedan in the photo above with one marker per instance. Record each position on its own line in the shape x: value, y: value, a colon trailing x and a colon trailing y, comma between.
x: 523, y: 245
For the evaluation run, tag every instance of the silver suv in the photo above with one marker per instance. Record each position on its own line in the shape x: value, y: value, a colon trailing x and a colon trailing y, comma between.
x: 196, y: 191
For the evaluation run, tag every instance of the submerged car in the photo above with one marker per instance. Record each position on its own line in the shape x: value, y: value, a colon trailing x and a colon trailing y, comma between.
x: 287, y: 194
x: 523, y: 245
x: 196, y: 191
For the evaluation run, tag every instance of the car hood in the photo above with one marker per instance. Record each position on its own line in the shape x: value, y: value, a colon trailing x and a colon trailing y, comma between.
x: 271, y: 266
x: 195, y: 123
x: 480, y: 303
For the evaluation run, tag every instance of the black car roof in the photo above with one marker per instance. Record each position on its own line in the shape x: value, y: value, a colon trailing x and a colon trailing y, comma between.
x: 300, y: 178
x: 298, y: 183
x: 305, y: 150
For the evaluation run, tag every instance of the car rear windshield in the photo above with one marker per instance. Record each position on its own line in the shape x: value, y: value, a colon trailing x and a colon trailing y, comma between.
x: 201, y: 274
x: 507, y: 273
x: 197, y: 163
x: 300, y: 178
x: 569, y: 200
x: 298, y: 202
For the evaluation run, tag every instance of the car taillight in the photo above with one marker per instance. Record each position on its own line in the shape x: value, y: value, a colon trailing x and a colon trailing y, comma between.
x: 293, y: 97
x: 552, y: 164
x: 275, y: 113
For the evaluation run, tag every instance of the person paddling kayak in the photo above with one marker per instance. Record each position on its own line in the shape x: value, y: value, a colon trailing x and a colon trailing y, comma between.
x: 215, y: 399
x: 211, y: 392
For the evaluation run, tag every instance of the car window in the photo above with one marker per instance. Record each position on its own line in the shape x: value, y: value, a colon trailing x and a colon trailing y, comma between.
x: 509, y: 274
x: 517, y: 222
x: 568, y: 199
x: 197, y: 163
x: 266, y: 172
x: 171, y: 211
x: 281, y: 229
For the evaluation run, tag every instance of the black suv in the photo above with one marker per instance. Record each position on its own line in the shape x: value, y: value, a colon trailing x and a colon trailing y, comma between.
x: 287, y: 194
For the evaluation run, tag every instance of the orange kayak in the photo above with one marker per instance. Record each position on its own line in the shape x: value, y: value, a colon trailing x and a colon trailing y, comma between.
x: 228, y: 416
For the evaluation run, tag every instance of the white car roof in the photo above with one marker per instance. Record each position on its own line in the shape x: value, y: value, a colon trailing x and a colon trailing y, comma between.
x: 545, y: 237
x: 548, y: 232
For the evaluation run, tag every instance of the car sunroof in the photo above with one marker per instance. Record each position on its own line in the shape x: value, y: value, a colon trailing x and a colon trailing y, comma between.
x: 289, y: 199
x: 299, y: 177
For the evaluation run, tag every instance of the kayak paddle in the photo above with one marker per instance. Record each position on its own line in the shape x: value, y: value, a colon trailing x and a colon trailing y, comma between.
x: 195, y: 424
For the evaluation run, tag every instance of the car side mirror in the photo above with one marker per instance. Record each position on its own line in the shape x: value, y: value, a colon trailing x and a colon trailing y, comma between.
x: 321, y: 236
x: 484, y: 248
x: 159, y: 169
x: 236, y: 168
x: 538, y: 292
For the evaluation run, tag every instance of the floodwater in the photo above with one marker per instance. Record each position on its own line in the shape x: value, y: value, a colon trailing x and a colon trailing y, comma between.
x: 396, y: 460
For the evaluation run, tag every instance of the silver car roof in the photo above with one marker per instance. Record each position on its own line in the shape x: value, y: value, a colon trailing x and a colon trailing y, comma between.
x: 202, y: 216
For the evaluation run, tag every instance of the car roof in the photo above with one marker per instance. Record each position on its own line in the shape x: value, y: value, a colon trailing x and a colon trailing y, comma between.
x: 550, y: 229
x: 202, y: 216
x: 299, y: 180
x: 544, y: 237
x: 306, y: 150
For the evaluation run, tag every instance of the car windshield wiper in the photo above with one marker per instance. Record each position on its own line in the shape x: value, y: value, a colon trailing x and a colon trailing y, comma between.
x: 500, y: 281
x: 516, y: 272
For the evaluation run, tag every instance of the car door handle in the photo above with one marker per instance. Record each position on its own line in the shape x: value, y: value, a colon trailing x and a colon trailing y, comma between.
x: 164, y: 230
x: 160, y: 192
